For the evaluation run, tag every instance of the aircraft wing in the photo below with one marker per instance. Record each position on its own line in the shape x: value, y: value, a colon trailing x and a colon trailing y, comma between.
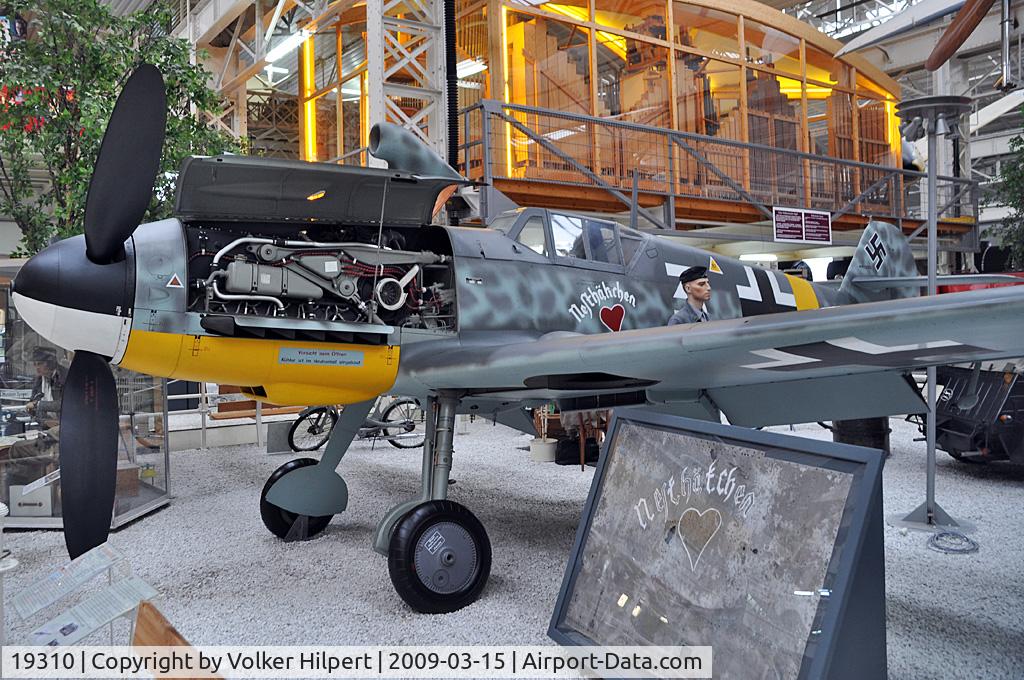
x: 861, y: 348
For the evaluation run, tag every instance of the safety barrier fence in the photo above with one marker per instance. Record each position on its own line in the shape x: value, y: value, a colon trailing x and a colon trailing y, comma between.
x: 203, y: 409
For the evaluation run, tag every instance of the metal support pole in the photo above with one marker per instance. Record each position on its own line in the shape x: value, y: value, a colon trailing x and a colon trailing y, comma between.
x: 259, y: 423
x: 929, y: 515
x: 933, y: 256
x: 1006, y: 83
x: 634, y: 203
x: 204, y: 408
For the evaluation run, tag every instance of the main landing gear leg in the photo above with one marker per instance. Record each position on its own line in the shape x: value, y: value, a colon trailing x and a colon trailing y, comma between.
x: 439, y: 556
x: 302, y: 495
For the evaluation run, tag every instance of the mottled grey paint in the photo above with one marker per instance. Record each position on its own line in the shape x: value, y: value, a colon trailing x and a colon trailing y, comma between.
x: 883, y: 251
x: 504, y: 286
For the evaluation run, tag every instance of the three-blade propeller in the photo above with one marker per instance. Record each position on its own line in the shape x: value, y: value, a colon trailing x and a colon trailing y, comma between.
x: 119, y: 193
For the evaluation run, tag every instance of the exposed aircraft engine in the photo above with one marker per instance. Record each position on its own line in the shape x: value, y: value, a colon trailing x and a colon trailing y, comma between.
x: 347, y: 279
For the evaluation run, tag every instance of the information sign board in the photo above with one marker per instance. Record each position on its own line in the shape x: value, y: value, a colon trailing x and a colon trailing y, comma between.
x: 766, y: 547
x: 795, y: 225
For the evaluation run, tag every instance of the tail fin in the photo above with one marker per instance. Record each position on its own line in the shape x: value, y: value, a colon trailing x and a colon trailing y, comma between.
x: 883, y: 252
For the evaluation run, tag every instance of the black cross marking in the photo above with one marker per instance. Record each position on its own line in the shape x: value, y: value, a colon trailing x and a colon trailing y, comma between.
x: 876, y: 251
x: 767, y: 305
x: 830, y: 356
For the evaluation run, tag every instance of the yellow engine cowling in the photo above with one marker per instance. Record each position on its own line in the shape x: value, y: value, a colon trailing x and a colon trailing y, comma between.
x: 289, y: 372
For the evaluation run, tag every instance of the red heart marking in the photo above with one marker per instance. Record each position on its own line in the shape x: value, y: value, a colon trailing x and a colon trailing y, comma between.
x: 612, y: 317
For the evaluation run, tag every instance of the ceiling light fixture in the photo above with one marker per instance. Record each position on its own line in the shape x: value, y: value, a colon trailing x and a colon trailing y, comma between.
x: 287, y: 45
x: 469, y: 67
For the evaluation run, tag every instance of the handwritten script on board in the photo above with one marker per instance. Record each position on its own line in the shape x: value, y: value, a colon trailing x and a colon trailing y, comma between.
x: 702, y: 542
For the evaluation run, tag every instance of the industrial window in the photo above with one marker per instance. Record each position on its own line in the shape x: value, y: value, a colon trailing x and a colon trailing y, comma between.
x: 532, y: 235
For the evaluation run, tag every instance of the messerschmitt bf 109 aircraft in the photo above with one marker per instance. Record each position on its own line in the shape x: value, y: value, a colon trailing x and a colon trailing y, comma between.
x: 315, y: 283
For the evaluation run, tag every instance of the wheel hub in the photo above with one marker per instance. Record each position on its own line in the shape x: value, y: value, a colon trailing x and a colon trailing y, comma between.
x: 446, y: 558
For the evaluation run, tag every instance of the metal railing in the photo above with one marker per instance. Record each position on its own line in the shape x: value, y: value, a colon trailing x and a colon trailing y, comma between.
x: 180, y: 9
x: 515, y: 142
x: 204, y: 409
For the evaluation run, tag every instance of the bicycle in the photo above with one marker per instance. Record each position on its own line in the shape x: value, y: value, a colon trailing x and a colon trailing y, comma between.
x: 401, y: 424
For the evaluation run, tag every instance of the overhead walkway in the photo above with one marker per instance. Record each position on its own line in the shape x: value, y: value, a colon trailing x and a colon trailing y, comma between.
x: 549, y: 158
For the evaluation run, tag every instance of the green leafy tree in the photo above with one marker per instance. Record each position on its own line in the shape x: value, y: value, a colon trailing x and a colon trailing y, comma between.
x: 1011, y: 195
x: 57, y: 90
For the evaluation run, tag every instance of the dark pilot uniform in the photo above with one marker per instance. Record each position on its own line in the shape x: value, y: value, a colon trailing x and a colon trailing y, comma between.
x: 687, y: 314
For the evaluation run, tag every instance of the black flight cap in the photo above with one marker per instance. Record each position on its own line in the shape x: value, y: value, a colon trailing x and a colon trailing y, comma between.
x: 692, y: 274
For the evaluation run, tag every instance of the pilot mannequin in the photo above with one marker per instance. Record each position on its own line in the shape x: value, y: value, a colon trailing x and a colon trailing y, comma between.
x: 697, y: 287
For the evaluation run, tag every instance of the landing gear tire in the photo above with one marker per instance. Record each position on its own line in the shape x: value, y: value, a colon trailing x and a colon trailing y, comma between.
x: 439, y: 557
x: 288, y: 525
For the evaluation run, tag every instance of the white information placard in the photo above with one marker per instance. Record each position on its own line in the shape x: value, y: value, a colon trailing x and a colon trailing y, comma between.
x: 796, y: 225
x: 83, y: 619
x: 65, y: 580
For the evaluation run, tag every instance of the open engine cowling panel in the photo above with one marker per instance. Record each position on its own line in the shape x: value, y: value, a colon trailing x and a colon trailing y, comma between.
x: 241, y: 188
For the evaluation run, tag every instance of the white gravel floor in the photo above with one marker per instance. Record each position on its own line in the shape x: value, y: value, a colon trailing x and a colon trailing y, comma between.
x: 225, y: 580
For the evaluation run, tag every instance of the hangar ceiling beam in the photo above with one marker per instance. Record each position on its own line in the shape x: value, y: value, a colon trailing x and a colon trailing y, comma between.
x: 849, y: 18
x: 909, y: 51
x: 992, y: 145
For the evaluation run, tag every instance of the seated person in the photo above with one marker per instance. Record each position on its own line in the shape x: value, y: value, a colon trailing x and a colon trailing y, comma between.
x: 48, y: 388
x: 28, y: 459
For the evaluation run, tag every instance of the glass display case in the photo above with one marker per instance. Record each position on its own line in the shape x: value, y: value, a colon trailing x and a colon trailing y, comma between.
x: 32, y: 376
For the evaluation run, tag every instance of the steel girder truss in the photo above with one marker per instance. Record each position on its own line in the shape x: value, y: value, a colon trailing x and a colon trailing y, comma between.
x: 405, y: 58
x: 844, y: 19
x: 406, y: 67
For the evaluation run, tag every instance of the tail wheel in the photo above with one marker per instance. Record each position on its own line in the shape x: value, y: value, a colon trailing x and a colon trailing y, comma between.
x: 408, y: 419
x: 312, y: 429
x: 288, y: 525
x: 439, y: 558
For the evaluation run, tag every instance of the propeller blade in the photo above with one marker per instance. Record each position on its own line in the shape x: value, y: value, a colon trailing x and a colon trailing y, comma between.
x: 958, y: 31
x: 127, y: 165
x: 88, y: 452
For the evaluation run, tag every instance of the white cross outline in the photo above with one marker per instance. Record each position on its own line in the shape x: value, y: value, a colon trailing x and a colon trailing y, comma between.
x: 785, y: 299
x: 674, y: 270
x: 865, y: 347
x: 749, y: 291
x: 779, y: 359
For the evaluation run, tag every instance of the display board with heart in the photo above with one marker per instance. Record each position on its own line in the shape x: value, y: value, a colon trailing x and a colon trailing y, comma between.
x: 697, y: 540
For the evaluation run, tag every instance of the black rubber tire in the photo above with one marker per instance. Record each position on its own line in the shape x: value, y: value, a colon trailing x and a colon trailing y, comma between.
x: 386, y: 417
x: 278, y: 520
x: 308, y: 421
x: 402, y: 553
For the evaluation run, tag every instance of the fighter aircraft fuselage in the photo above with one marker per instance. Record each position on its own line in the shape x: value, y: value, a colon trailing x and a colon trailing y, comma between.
x: 195, y: 307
